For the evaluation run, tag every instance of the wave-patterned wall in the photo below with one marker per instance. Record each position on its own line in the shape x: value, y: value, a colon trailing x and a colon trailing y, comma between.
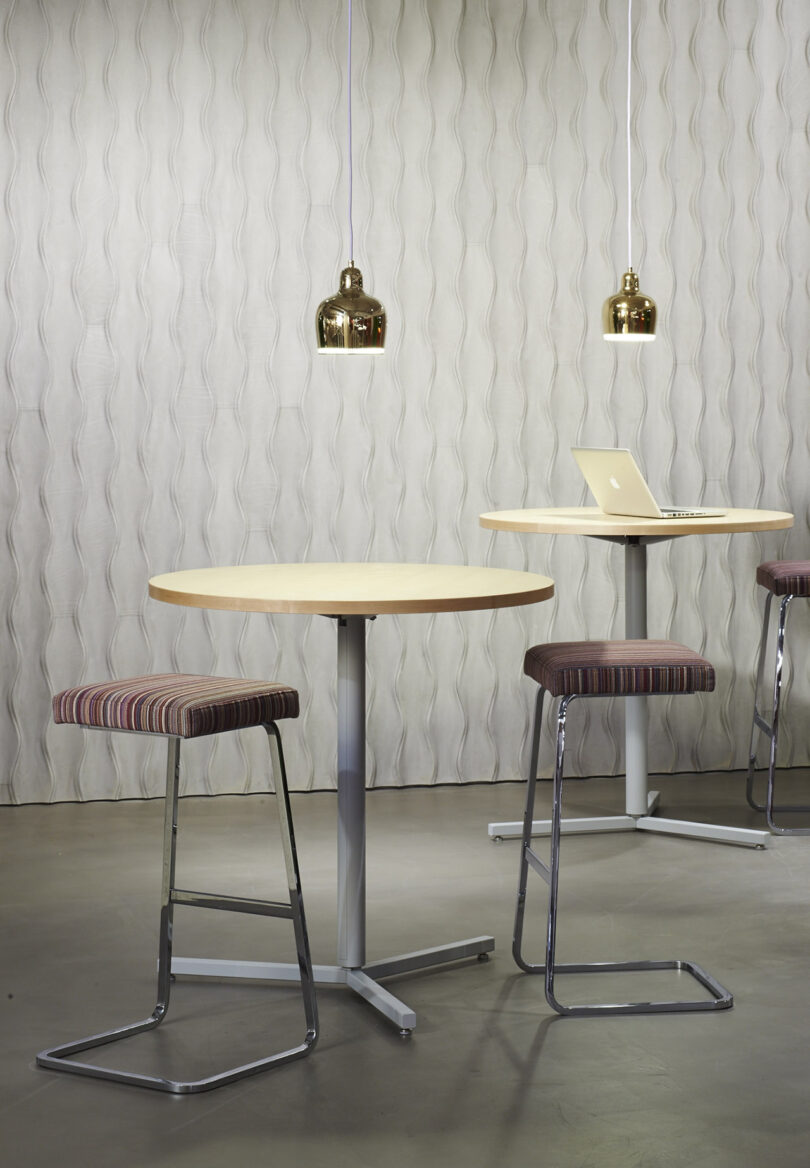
x: 174, y: 182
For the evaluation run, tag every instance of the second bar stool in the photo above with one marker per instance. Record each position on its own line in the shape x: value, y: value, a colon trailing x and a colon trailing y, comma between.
x: 785, y: 578
x: 590, y: 669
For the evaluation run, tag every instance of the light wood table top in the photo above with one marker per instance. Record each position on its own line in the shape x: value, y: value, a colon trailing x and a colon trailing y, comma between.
x: 593, y: 521
x: 346, y: 589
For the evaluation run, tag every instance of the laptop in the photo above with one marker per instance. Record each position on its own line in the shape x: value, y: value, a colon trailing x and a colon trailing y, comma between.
x: 620, y: 488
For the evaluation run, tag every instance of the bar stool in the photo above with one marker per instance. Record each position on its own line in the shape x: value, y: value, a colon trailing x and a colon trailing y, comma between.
x: 590, y: 669
x: 178, y: 706
x: 785, y: 578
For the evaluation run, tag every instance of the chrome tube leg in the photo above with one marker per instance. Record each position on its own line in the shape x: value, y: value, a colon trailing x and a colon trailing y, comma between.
x: 525, y: 847
x: 554, y: 872
x: 771, y: 729
x: 777, y: 690
x: 777, y: 693
x: 294, y: 884
x: 167, y: 883
x: 756, y: 717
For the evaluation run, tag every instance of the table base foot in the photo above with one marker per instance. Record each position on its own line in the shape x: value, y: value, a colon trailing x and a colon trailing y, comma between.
x: 747, y: 837
x: 217, y: 968
x: 379, y: 997
x: 502, y: 831
x: 361, y: 981
x: 744, y: 836
x: 424, y: 958
x: 573, y: 826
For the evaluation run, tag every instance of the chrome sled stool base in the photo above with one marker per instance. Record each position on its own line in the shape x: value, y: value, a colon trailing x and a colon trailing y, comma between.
x: 60, y: 1057
x: 721, y: 998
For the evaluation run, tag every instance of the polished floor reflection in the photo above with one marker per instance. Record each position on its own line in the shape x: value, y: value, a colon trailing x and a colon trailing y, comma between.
x: 491, y: 1078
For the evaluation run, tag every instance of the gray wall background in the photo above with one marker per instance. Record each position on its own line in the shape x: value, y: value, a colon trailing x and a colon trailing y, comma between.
x: 174, y: 177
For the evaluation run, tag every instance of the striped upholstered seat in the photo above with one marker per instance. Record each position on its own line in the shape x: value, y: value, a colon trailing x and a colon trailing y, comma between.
x: 618, y: 668
x: 785, y: 577
x: 182, y: 705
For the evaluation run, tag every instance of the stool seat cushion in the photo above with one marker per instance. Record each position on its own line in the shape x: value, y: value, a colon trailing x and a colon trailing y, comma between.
x: 785, y: 577
x: 618, y: 668
x: 183, y: 705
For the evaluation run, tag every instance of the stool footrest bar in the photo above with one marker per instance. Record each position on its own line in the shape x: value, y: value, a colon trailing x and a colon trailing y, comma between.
x: 764, y: 726
x: 540, y: 867
x: 243, y: 904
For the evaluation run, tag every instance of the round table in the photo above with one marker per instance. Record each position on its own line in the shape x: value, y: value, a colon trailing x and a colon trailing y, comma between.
x: 592, y: 521
x: 351, y: 593
x: 635, y: 534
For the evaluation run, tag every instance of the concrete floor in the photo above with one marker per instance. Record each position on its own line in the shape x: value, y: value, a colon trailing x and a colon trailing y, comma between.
x: 491, y: 1078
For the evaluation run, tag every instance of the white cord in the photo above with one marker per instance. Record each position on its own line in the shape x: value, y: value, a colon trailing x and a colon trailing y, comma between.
x: 628, y: 136
x: 349, y: 105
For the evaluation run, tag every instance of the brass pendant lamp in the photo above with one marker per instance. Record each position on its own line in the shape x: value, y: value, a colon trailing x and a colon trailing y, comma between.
x: 351, y: 321
x: 629, y: 315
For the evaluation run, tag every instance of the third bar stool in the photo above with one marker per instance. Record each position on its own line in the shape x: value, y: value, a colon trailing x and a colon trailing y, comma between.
x: 785, y: 578
x: 589, y: 669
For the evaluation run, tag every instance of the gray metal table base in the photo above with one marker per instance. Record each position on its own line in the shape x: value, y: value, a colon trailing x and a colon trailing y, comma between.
x: 351, y: 968
x: 639, y: 803
x: 363, y: 981
x: 748, y: 837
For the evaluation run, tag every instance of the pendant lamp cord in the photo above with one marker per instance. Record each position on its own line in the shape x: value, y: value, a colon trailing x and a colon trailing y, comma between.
x: 349, y: 107
x: 628, y: 134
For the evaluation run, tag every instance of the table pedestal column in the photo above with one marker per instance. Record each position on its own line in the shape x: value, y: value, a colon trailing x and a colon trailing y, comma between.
x: 351, y: 749
x: 351, y: 969
x: 636, y: 714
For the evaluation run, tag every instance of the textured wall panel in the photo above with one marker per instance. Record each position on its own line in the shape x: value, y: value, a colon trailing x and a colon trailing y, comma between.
x: 174, y: 182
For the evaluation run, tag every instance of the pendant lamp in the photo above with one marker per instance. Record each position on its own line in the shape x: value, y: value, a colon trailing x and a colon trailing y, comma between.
x: 629, y: 315
x: 351, y: 321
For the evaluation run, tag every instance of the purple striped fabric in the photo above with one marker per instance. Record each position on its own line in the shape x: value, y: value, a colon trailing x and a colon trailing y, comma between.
x: 618, y: 667
x: 184, y: 705
x: 785, y: 577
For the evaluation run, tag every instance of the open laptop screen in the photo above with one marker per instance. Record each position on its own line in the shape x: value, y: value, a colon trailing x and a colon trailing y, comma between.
x: 620, y: 488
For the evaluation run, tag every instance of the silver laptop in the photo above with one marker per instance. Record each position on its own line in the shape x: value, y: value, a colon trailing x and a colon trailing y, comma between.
x: 620, y: 488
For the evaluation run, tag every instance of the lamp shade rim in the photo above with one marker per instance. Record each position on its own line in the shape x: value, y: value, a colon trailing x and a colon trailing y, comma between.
x: 356, y: 350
